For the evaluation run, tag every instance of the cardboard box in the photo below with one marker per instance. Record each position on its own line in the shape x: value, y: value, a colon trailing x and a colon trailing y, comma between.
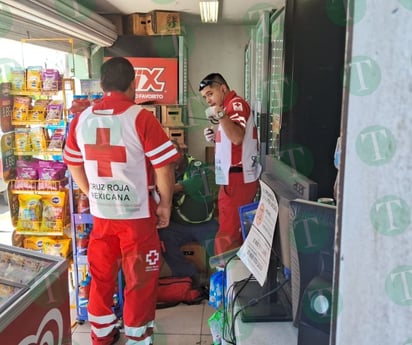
x: 135, y: 24
x: 171, y: 115
x: 176, y: 134
x: 163, y: 23
x: 155, y: 109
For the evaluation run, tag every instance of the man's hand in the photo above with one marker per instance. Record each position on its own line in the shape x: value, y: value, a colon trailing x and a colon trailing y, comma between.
x: 209, y: 134
x: 215, y: 113
x: 163, y: 216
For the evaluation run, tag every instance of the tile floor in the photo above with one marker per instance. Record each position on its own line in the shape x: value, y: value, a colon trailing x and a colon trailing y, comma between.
x: 180, y: 325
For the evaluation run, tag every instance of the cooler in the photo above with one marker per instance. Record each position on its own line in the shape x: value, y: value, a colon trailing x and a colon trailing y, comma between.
x: 34, y: 298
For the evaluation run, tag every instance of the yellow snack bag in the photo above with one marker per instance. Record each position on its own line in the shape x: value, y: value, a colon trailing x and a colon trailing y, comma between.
x: 53, y: 212
x: 33, y: 76
x: 22, y: 139
x: 38, y: 139
x: 30, y: 210
x: 49, y: 245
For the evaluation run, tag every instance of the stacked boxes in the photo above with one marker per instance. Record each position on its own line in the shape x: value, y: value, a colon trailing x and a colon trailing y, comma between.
x: 153, y: 23
x: 155, y: 109
x: 176, y: 134
x: 163, y: 23
x: 135, y: 24
x: 171, y: 116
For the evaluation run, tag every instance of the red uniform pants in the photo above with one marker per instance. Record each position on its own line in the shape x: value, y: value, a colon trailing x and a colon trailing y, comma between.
x: 134, y: 246
x: 231, y: 197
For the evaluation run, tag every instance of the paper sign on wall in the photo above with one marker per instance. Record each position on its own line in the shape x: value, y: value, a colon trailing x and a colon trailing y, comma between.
x: 256, y: 250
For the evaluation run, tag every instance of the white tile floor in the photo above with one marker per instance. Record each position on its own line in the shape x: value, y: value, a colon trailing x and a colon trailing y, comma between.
x: 180, y: 325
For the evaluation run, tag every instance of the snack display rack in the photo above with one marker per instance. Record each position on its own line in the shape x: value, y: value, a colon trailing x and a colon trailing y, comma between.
x: 37, y: 191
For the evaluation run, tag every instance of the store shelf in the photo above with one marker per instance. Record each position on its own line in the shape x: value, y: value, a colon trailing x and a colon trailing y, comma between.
x: 32, y: 93
x: 43, y: 187
x: 54, y: 122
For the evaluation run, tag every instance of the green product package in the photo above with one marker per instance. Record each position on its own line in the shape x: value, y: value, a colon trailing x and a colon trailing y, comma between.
x: 216, y: 326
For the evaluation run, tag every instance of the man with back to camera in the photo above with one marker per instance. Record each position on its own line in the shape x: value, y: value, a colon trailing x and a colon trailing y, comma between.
x: 118, y: 154
x: 192, y: 218
x: 237, y: 166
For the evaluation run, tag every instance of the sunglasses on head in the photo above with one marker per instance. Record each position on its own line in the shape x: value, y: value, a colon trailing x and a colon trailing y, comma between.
x: 207, y: 82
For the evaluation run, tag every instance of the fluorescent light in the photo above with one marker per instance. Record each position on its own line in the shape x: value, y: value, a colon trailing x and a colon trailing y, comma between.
x: 76, y: 22
x: 209, y: 10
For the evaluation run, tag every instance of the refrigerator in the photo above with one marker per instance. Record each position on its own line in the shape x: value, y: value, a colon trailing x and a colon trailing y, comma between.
x: 34, y: 298
x: 259, y: 74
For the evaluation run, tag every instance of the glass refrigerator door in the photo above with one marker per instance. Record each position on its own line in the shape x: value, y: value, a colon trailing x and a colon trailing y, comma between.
x: 20, y: 267
x: 9, y: 292
x: 261, y: 66
x: 276, y: 82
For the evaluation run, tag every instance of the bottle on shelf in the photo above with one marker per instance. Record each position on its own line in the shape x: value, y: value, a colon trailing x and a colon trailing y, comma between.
x: 84, y: 291
x: 95, y: 98
x: 82, y: 241
x: 79, y: 103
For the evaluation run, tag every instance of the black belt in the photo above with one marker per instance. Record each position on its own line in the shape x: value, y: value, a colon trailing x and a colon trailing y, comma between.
x: 235, y: 169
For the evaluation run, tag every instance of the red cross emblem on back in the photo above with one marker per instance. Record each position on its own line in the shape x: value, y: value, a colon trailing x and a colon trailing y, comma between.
x: 104, y: 153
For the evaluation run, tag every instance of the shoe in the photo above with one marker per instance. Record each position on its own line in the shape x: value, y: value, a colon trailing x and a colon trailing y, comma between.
x: 116, y: 336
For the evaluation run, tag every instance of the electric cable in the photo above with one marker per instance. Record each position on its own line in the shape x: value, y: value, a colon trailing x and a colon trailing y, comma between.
x: 254, y: 301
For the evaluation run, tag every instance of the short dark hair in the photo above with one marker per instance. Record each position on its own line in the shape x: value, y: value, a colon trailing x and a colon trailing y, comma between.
x: 116, y: 74
x: 212, y: 78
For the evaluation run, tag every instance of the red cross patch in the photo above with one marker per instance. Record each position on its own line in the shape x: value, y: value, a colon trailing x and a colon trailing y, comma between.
x: 237, y: 106
x: 152, y: 257
x: 104, y: 153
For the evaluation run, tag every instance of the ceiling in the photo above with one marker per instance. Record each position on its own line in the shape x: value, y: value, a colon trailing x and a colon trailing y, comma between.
x: 240, y: 12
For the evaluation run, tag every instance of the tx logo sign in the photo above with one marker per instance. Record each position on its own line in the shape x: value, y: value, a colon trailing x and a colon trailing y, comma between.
x: 147, y: 79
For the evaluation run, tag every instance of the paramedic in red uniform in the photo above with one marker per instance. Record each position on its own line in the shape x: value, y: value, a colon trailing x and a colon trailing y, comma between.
x: 237, y: 167
x: 116, y: 152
